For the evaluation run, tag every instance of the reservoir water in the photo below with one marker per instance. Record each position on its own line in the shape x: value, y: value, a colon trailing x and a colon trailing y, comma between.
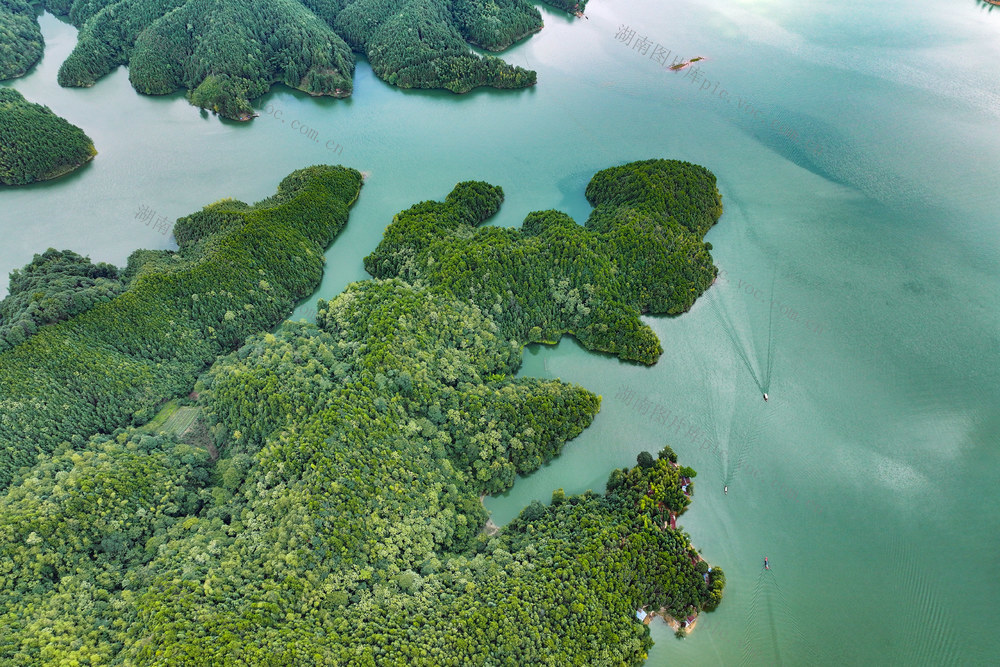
x: 856, y: 150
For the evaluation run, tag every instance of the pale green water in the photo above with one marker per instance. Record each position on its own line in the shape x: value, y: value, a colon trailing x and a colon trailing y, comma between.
x: 870, y: 478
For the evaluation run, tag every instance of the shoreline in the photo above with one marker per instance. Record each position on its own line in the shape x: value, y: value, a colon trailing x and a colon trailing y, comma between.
x: 65, y: 170
x: 673, y: 623
x: 501, y: 49
x: 691, y: 621
x: 489, y: 528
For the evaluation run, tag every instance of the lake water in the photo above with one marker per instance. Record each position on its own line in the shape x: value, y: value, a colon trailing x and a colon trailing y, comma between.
x: 856, y: 148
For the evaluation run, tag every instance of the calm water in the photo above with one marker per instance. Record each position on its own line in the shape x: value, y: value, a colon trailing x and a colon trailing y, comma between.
x: 870, y: 477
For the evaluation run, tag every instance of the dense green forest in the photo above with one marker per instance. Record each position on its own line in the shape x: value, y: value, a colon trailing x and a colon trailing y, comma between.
x: 225, y: 54
x: 53, y: 287
x: 36, y: 144
x: 342, y: 522
x: 240, y: 269
x: 20, y: 38
x: 495, y: 24
x: 640, y: 251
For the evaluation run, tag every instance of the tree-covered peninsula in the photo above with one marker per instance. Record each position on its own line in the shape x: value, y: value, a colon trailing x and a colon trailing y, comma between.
x: 239, y: 270
x: 640, y: 251
x: 35, y: 144
x: 225, y: 54
x: 342, y: 524
x: 324, y: 508
x: 20, y: 38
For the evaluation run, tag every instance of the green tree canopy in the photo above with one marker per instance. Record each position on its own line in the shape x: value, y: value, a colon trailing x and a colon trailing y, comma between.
x: 640, y: 251
x: 226, y: 54
x: 36, y: 144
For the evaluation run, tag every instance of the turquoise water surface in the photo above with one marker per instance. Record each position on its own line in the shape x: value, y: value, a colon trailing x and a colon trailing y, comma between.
x: 856, y: 148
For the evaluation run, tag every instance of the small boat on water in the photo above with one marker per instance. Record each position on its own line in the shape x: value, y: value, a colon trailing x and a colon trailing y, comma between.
x: 765, y: 398
x: 766, y: 566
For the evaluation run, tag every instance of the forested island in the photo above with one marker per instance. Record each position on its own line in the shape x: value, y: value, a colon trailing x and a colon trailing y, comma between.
x: 324, y: 505
x: 35, y: 144
x: 640, y: 251
x: 225, y: 54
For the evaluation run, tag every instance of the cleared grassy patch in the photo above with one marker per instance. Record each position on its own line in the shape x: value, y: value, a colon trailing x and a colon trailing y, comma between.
x: 173, y: 419
x: 181, y: 420
x: 155, y: 425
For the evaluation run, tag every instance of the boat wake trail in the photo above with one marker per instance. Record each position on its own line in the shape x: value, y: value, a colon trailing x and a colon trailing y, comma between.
x: 769, y: 362
x: 746, y: 351
x: 927, y: 634
x: 736, y: 426
x: 746, y: 433
x: 772, y: 628
x: 726, y: 322
x: 751, y: 638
